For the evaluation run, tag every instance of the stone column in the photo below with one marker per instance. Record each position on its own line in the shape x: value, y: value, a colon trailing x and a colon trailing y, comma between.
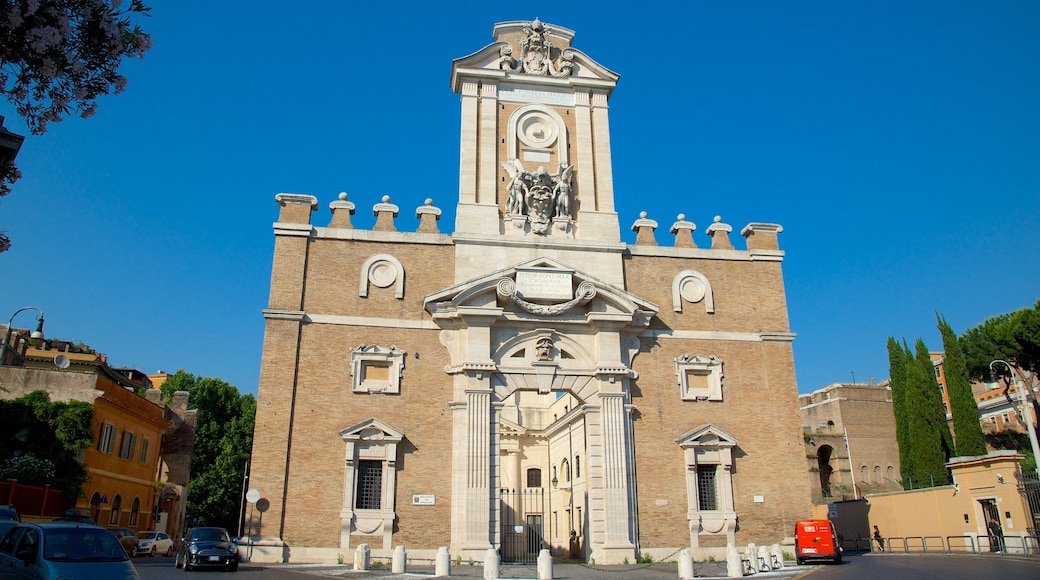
x: 477, y: 469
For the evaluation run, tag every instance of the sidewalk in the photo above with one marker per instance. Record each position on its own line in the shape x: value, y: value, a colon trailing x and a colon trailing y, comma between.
x: 561, y: 571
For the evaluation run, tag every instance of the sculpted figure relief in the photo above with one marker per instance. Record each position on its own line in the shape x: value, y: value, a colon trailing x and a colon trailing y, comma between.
x: 536, y: 54
x: 539, y: 195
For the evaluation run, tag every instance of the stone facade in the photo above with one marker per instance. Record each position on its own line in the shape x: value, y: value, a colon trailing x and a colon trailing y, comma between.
x: 528, y: 380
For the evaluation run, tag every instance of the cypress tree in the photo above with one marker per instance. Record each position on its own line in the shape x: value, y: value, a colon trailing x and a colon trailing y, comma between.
x: 930, y: 441
x: 897, y: 357
x: 968, y: 438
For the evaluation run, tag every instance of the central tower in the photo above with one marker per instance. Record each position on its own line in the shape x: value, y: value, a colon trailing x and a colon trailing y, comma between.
x: 535, y: 168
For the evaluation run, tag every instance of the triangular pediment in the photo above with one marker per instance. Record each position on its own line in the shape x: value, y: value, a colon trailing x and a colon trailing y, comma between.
x: 372, y: 430
x: 706, y: 436
x: 504, y: 59
x: 539, y: 284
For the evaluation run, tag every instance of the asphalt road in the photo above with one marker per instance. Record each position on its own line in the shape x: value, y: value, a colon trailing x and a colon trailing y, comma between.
x: 854, y: 567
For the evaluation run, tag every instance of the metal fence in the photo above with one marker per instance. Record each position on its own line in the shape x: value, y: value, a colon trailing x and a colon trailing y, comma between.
x: 1029, y: 487
x: 1013, y: 545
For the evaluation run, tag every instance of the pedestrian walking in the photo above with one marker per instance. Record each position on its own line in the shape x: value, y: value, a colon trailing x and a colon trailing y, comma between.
x: 880, y: 541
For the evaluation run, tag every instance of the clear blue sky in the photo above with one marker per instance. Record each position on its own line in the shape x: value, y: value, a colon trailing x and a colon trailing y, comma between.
x: 898, y: 143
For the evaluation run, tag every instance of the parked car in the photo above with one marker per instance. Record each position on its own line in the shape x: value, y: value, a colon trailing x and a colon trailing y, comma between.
x: 63, y: 550
x: 9, y: 513
x: 127, y: 538
x: 6, y: 525
x: 80, y: 516
x: 207, y: 548
x: 153, y: 543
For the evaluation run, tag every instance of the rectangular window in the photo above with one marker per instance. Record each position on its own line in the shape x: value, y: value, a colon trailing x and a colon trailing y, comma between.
x: 107, y: 438
x: 144, y: 451
x: 369, y: 485
x: 127, y: 446
x: 707, y: 497
x: 534, y: 477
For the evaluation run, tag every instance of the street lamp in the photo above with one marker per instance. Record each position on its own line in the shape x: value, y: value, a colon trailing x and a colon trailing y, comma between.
x: 1023, y: 412
x: 35, y: 335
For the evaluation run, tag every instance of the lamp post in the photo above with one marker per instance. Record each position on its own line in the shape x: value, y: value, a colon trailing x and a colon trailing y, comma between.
x: 1023, y: 413
x: 36, y: 334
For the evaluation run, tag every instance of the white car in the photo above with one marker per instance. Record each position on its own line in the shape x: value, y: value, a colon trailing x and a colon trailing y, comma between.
x: 153, y: 543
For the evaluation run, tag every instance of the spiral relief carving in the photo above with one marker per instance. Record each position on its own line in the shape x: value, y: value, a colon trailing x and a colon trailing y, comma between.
x: 506, y: 287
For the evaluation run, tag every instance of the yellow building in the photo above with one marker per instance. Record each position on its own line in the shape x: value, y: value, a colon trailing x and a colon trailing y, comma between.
x: 122, y: 488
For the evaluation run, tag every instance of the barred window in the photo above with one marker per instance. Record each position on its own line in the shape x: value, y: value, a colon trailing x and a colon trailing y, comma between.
x: 369, y: 485
x: 707, y: 497
x: 534, y: 477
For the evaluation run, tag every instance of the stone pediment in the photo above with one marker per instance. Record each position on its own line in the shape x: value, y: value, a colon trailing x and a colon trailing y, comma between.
x: 371, y: 430
x: 706, y: 436
x: 540, y: 288
x: 527, y: 51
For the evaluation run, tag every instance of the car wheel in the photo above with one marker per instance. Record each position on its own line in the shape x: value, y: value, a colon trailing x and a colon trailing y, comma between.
x: 232, y: 567
x: 151, y: 554
x: 177, y: 561
x: 169, y: 551
x: 187, y: 567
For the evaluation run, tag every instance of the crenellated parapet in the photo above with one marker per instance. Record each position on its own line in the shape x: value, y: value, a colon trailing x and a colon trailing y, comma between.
x: 760, y: 238
x: 296, y: 210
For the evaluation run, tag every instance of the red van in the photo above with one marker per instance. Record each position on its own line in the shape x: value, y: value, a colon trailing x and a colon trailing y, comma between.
x: 816, y: 540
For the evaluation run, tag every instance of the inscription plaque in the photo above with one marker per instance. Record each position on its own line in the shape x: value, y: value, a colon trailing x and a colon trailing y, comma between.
x: 544, y: 284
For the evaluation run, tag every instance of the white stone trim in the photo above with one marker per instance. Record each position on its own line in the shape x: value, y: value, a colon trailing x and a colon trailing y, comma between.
x: 709, y: 445
x: 371, y: 322
x: 381, y: 236
x: 710, y: 366
x: 680, y: 290
x: 291, y: 229
x: 382, y: 270
x: 363, y: 356
x: 718, y: 335
x: 369, y: 440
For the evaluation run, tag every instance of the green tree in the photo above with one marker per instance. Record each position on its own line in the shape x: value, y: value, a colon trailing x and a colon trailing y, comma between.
x: 897, y: 360
x: 1015, y: 338
x: 52, y: 432
x: 927, y: 444
x: 223, y: 441
x: 968, y: 438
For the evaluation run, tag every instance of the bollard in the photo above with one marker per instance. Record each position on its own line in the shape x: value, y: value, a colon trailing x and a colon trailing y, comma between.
x: 400, y: 561
x: 778, y: 556
x: 764, y: 556
x: 491, y: 564
x: 751, y: 559
x: 545, y: 565
x: 685, y: 564
x: 361, y: 557
x: 734, y: 567
x: 443, y: 567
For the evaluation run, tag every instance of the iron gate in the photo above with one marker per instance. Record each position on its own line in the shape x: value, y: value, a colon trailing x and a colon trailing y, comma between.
x: 1029, y: 487
x: 523, y: 521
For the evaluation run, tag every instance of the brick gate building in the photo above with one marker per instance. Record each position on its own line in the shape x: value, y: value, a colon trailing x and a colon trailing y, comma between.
x: 528, y: 380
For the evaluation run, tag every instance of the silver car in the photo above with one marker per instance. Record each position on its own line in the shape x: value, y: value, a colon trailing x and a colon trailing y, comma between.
x: 63, y: 550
